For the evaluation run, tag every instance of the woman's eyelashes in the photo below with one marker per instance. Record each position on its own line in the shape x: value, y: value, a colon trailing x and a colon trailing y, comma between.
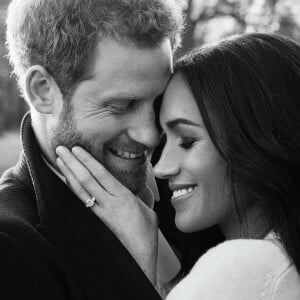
x: 187, y: 142
x: 184, y: 142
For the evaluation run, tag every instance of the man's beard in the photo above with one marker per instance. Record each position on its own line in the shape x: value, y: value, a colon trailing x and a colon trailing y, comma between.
x: 67, y: 134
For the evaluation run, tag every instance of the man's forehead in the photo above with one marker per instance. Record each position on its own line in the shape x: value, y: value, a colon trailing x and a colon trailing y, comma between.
x: 110, y: 93
x: 119, y: 60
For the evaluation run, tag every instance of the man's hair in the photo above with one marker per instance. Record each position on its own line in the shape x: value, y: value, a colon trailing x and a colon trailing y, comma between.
x: 62, y: 35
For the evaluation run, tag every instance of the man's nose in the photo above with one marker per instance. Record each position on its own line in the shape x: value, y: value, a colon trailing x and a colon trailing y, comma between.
x: 144, y: 131
x: 168, y: 164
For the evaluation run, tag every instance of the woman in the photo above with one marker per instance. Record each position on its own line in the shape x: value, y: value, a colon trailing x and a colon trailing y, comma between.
x: 231, y: 119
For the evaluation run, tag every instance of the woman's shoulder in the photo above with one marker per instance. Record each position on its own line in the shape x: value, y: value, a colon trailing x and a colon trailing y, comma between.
x: 241, y: 258
x: 248, y: 269
x: 244, y: 253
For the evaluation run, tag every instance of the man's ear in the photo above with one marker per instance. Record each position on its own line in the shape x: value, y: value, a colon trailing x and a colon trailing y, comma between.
x: 41, y: 89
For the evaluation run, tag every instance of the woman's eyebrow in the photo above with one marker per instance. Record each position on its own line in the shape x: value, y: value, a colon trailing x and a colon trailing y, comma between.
x: 173, y: 123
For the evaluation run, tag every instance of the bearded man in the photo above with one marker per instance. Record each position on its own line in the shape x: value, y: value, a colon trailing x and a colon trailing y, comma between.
x: 90, y: 71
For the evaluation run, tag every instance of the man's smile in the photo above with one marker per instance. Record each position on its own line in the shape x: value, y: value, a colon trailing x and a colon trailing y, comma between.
x: 129, y: 154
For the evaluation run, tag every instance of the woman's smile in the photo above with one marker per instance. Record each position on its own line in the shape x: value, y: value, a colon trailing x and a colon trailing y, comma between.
x: 181, y: 191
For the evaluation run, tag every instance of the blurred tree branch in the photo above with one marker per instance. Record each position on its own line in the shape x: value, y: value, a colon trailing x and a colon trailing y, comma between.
x: 210, y: 20
x: 12, y: 107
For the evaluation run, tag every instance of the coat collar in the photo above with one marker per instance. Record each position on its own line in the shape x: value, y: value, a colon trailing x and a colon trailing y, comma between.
x: 58, y: 208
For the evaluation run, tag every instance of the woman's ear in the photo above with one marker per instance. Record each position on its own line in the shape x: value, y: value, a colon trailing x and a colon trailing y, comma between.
x: 40, y: 89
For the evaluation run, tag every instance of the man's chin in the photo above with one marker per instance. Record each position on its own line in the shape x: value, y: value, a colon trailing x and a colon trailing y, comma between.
x: 134, y: 181
x: 135, y: 186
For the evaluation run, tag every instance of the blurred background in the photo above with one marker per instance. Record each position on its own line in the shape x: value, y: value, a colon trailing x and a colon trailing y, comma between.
x: 207, y: 21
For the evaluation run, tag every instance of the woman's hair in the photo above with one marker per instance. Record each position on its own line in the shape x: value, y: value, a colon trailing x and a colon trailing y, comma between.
x: 247, y: 88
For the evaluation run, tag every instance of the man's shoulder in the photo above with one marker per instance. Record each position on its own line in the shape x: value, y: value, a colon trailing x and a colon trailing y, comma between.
x: 16, y: 176
x: 17, y: 203
x: 19, y: 220
x: 24, y: 258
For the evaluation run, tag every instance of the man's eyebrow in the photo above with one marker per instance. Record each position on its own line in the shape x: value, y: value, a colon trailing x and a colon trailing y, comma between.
x: 173, y: 123
x: 113, y: 98
x: 120, y: 96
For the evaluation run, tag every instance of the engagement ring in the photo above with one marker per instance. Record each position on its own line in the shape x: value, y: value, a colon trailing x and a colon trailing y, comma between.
x: 90, y: 202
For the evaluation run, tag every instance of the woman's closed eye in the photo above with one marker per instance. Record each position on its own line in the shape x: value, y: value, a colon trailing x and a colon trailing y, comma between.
x: 187, y: 142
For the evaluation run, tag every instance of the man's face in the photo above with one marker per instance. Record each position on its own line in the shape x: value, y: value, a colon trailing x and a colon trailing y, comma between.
x: 111, y: 112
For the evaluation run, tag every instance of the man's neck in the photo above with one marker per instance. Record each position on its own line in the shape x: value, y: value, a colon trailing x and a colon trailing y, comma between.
x: 39, y: 124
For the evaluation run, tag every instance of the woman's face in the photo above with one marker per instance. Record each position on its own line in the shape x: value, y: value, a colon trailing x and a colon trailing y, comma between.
x: 194, y: 168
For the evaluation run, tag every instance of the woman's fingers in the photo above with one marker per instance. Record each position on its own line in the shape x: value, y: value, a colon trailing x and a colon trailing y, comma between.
x: 79, y: 177
x: 104, y: 177
x: 128, y: 218
x: 76, y: 187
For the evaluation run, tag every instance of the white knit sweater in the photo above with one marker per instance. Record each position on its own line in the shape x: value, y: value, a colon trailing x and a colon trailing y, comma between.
x: 241, y: 269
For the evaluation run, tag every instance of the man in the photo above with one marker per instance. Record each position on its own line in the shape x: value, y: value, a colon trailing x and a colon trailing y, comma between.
x: 90, y: 71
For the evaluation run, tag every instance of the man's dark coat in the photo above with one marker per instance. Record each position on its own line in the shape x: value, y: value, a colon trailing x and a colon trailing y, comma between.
x: 52, y: 246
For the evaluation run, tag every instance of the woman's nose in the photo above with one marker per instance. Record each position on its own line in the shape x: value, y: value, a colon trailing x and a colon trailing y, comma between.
x: 168, y: 164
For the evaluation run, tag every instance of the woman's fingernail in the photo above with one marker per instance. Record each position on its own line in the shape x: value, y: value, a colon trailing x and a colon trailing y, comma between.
x: 60, y: 150
x: 77, y: 150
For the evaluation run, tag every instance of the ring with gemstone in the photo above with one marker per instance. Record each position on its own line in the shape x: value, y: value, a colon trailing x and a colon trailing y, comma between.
x: 90, y: 202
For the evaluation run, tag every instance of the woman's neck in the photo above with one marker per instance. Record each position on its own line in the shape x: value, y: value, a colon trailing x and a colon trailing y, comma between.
x: 250, y: 224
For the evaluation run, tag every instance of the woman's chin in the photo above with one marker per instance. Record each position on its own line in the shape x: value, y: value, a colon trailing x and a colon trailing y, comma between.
x: 184, y: 225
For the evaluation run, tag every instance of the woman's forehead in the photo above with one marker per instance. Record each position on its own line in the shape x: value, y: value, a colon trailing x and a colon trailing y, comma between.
x: 179, y: 102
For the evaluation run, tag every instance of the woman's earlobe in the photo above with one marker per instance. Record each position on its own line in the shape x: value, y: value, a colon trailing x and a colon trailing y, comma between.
x: 39, y: 89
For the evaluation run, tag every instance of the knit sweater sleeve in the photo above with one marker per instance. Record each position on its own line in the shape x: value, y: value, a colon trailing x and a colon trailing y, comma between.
x: 239, y: 269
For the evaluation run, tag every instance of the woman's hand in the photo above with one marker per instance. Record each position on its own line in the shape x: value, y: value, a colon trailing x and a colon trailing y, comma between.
x: 131, y: 220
